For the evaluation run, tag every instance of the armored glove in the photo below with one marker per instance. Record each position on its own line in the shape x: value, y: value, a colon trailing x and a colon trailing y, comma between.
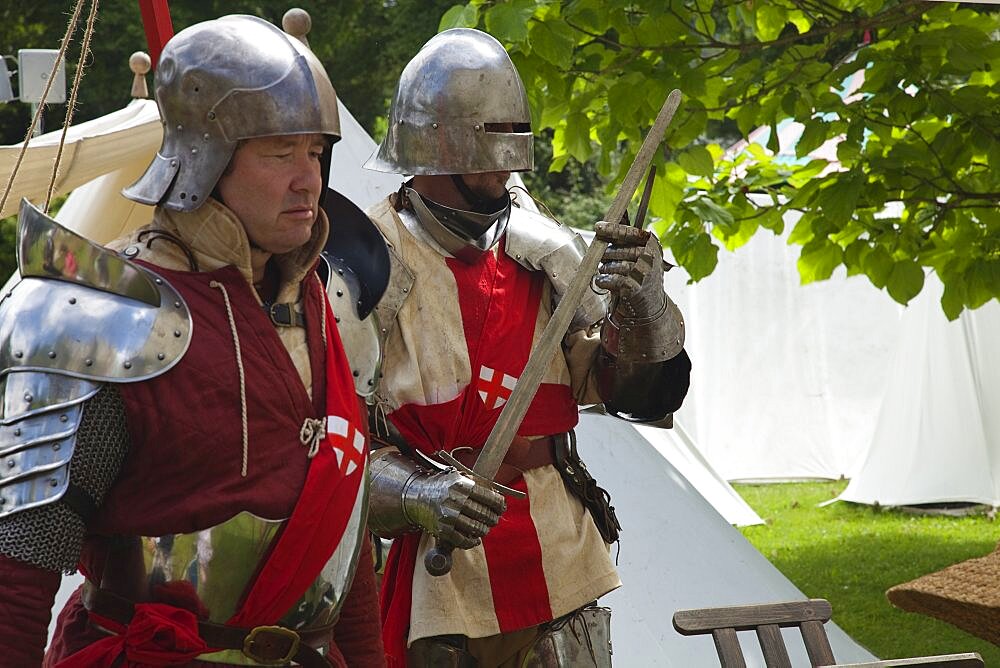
x: 446, y: 504
x: 643, y: 325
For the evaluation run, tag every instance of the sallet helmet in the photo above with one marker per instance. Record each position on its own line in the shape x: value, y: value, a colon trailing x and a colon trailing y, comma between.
x: 460, y: 108
x: 221, y: 81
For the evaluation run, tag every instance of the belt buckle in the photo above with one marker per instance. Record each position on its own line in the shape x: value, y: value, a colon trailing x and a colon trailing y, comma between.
x: 249, y: 644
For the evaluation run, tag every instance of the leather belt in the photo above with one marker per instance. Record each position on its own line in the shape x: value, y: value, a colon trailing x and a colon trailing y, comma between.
x: 267, y: 645
x: 524, y: 455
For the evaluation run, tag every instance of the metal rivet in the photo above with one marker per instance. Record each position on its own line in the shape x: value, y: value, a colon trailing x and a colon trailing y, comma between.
x: 17, y: 432
x: 401, y: 121
x: 52, y: 354
x: 177, y: 304
x: 128, y: 365
x: 158, y: 281
x: 385, y: 331
x: 477, y: 127
x: 371, y: 382
x: 53, y: 482
x: 340, y: 271
x: 160, y: 356
x: 18, y: 354
x: 336, y: 318
x: 11, y: 463
x: 180, y: 127
x: 517, y: 257
x: 406, y: 289
x: 173, y: 163
x: 211, y: 116
x: 434, y: 125
x: 205, y: 136
x: 177, y: 333
x: 72, y: 300
x: 184, y: 195
x: 88, y: 362
x: 194, y: 198
x: 56, y: 447
x: 64, y: 418
x: 356, y: 374
x: 340, y: 293
x: 131, y: 251
x: 28, y: 397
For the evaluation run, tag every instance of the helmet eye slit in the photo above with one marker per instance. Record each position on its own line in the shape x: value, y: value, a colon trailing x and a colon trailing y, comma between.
x: 507, y: 128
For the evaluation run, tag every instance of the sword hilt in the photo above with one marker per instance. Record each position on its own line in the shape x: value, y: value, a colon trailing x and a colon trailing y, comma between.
x: 437, y: 561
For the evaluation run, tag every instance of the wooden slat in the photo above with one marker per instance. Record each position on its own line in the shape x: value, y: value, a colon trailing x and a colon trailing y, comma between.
x: 817, y: 644
x: 968, y: 660
x: 773, y: 646
x: 727, y: 645
x: 749, y: 617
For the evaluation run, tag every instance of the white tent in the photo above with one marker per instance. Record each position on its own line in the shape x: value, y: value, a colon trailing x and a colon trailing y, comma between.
x: 678, y: 552
x: 937, y: 438
x: 786, y: 378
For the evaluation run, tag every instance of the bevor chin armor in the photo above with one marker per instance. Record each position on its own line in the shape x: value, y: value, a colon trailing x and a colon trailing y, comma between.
x: 221, y: 81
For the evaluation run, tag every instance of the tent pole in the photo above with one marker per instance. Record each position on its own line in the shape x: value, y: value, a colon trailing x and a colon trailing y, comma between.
x: 156, y: 21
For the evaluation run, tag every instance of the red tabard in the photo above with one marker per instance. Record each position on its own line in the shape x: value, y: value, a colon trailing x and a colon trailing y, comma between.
x: 183, y: 474
x: 499, y: 302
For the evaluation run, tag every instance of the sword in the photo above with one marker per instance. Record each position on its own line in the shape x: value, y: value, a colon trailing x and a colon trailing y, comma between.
x: 437, y: 561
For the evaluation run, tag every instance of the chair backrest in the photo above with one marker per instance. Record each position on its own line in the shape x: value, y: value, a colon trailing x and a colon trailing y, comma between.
x: 767, y: 620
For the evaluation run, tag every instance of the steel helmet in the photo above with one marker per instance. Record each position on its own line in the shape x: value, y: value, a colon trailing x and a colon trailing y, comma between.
x: 459, y: 108
x: 221, y: 81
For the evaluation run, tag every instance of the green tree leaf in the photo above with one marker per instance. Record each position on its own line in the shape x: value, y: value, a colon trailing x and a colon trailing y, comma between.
x: 906, y: 280
x: 698, y: 161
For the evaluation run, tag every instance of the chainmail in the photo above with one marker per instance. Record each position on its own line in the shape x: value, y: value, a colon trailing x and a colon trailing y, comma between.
x: 51, y: 536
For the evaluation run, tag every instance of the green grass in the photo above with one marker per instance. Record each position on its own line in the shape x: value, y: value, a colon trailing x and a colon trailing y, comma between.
x: 851, y: 554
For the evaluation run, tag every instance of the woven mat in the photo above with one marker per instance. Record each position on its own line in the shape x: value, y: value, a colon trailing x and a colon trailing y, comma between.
x: 966, y: 595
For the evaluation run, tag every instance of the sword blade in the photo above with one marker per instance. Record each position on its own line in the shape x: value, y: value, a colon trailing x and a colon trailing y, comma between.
x: 503, y: 432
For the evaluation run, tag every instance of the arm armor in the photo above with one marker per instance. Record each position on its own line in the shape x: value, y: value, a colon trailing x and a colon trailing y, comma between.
x: 67, y: 329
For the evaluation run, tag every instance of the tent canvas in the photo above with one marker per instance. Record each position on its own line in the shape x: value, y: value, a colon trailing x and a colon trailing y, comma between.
x: 677, y: 552
x: 937, y: 438
x: 786, y: 378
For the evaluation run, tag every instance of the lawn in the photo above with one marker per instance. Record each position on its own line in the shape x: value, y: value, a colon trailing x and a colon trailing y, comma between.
x: 851, y: 554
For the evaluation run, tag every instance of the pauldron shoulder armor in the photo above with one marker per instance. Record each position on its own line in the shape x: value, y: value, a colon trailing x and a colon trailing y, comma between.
x: 80, y: 316
x: 540, y: 244
x: 354, y: 267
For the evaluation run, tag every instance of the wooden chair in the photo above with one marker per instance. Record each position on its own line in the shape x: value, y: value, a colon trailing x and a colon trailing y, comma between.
x: 769, y: 618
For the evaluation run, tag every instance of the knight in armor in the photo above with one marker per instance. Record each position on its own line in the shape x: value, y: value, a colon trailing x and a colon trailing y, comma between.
x: 474, y: 279
x: 180, y: 420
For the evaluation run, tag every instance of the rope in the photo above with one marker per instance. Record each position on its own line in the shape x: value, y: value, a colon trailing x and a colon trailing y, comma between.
x: 311, y: 434
x: 239, y: 365
x: 67, y: 38
x: 71, y: 105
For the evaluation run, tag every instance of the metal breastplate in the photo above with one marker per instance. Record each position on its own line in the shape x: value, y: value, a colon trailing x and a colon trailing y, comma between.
x: 217, y: 565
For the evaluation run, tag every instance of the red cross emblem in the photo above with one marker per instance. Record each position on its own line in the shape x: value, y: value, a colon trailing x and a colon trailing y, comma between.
x: 494, y: 387
x: 348, y: 444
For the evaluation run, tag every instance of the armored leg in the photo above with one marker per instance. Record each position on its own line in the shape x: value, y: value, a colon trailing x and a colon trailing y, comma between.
x: 440, y: 652
x: 581, y: 639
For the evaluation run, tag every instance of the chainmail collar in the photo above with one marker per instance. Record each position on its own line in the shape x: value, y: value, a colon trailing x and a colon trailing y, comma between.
x: 449, y: 226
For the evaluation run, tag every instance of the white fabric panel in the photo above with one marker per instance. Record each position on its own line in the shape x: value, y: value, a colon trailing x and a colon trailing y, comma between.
x: 362, y: 186
x: 786, y: 378
x: 92, y: 148
x: 937, y: 438
x: 677, y: 552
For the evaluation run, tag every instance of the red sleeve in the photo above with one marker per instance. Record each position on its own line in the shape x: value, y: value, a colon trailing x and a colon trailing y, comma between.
x: 358, y: 633
x: 26, y: 599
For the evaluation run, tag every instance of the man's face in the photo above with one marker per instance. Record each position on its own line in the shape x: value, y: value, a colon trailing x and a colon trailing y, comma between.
x: 273, y: 186
x: 488, y: 185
